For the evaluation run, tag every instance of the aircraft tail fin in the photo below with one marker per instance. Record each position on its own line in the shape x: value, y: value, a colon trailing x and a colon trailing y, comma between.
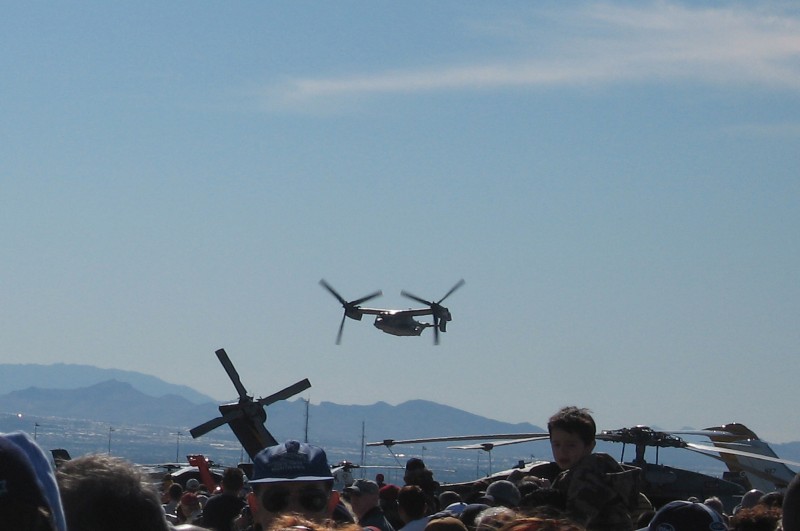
x: 751, y: 472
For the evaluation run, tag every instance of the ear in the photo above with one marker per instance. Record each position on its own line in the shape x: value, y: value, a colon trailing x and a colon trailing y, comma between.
x: 591, y: 446
x: 252, y: 502
x: 333, y: 501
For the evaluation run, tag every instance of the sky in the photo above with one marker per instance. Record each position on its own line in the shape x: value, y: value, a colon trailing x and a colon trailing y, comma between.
x: 617, y: 182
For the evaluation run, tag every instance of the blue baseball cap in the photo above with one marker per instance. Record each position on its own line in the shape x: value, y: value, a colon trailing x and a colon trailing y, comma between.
x: 291, y: 461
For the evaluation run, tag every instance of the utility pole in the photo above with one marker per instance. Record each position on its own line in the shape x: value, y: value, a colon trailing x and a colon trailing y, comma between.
x: 307, y: 400
x: 110, y: 429
x: 363, y: 443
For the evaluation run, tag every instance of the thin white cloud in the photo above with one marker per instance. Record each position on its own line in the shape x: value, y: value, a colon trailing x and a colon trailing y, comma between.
x: 601, y: 44
x: 765, y: 130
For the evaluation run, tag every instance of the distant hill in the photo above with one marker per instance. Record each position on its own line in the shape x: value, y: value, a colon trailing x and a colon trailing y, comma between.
x: 15, y: 377
x: 115, y: 396
x: 147, y: 428
x: 148, y: 425
x: 109, y: 401
x: 120, y: 403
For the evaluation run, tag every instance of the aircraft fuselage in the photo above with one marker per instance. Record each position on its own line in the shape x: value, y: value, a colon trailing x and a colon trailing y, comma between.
x: 400, y: 325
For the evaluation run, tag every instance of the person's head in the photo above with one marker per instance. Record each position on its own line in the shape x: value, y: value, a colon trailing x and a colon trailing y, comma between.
x: 771, y: 499
x: 757, y: 518
x: 175, y: 492
x: 292, y: 477
x: 417, y: 473
x: 448, y: 497
x: 505, y: 493
x: 388, y: 493
x: 232, y: 480
x: 715, y: 503
x: 363, y: 495
x: 23, y: 505
x: 686, y: 515
x: 494, y: 518
x: 572, y: 435
x: 411, y: 503
x: 295, y: 522
x: 750, y: 498
x: 102, y: 492
x: 445, y: 523
x: 541, y: 523
x: 791, y: 506
x: 192, y: 485
x: 189, y: 504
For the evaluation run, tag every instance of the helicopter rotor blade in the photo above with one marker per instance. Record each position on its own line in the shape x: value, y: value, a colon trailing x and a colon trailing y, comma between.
x: 341, y: 329
x: 215, y: 423
x: 333, y: 292
x: 435, y: 329
x: 456, y: 438
x: 232, y: 373
x: 704, y: 448
x: 458, y: 285
x: 404, y: 293
x: 482, y: 446
x: 285, y: 393
x: 365, y: 299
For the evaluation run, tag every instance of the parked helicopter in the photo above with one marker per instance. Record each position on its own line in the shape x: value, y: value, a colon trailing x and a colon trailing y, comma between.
x: 247, y: 416
x: 397, y: 322
x: 763, y: 473
x: 661, y: 483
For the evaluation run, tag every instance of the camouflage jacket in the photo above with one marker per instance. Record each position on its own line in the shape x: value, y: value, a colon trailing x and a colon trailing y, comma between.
x: 600, y: 493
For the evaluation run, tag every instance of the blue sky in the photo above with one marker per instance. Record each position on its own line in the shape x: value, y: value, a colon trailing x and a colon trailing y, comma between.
x: 616, y: 181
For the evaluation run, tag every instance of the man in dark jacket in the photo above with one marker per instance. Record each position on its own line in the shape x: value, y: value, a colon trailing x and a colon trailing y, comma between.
x: 365, y: 502
x: 222, y: 509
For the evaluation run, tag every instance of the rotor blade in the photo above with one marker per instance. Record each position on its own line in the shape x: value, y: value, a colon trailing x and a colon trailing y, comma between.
x: 482, y: 446
x: 435, y: 330
x: 455, y: 438
x: 404, y: 293
x: 333, y: 291
x: 486, y: 447
x: 706, y: 433
x: 288, y: 392
x: 212, y: 424
x: 231, y: 370
x: 341, y: 328
x: 751, y: 455
x: 458, y: 285
x: 365, y: 299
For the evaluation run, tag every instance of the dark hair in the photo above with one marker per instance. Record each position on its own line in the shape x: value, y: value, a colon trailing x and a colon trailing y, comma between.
x: 100, y: 492
x: 233, y: 479
x: 576, y: 420
x: 175, y: 491
x: 412, y: 500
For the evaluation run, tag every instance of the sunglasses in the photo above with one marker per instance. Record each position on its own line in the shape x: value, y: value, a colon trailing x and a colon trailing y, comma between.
x: 277, y: 500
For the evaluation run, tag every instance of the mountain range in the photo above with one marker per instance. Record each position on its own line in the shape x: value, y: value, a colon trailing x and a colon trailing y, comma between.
x: 86, y: 409
x: 133, y: 398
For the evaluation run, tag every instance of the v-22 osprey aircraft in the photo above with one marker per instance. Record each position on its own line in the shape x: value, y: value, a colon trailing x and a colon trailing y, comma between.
x: 397, y: 322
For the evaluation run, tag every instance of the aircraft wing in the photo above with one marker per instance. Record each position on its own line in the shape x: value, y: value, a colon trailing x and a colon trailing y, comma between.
x: 386, y: 311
